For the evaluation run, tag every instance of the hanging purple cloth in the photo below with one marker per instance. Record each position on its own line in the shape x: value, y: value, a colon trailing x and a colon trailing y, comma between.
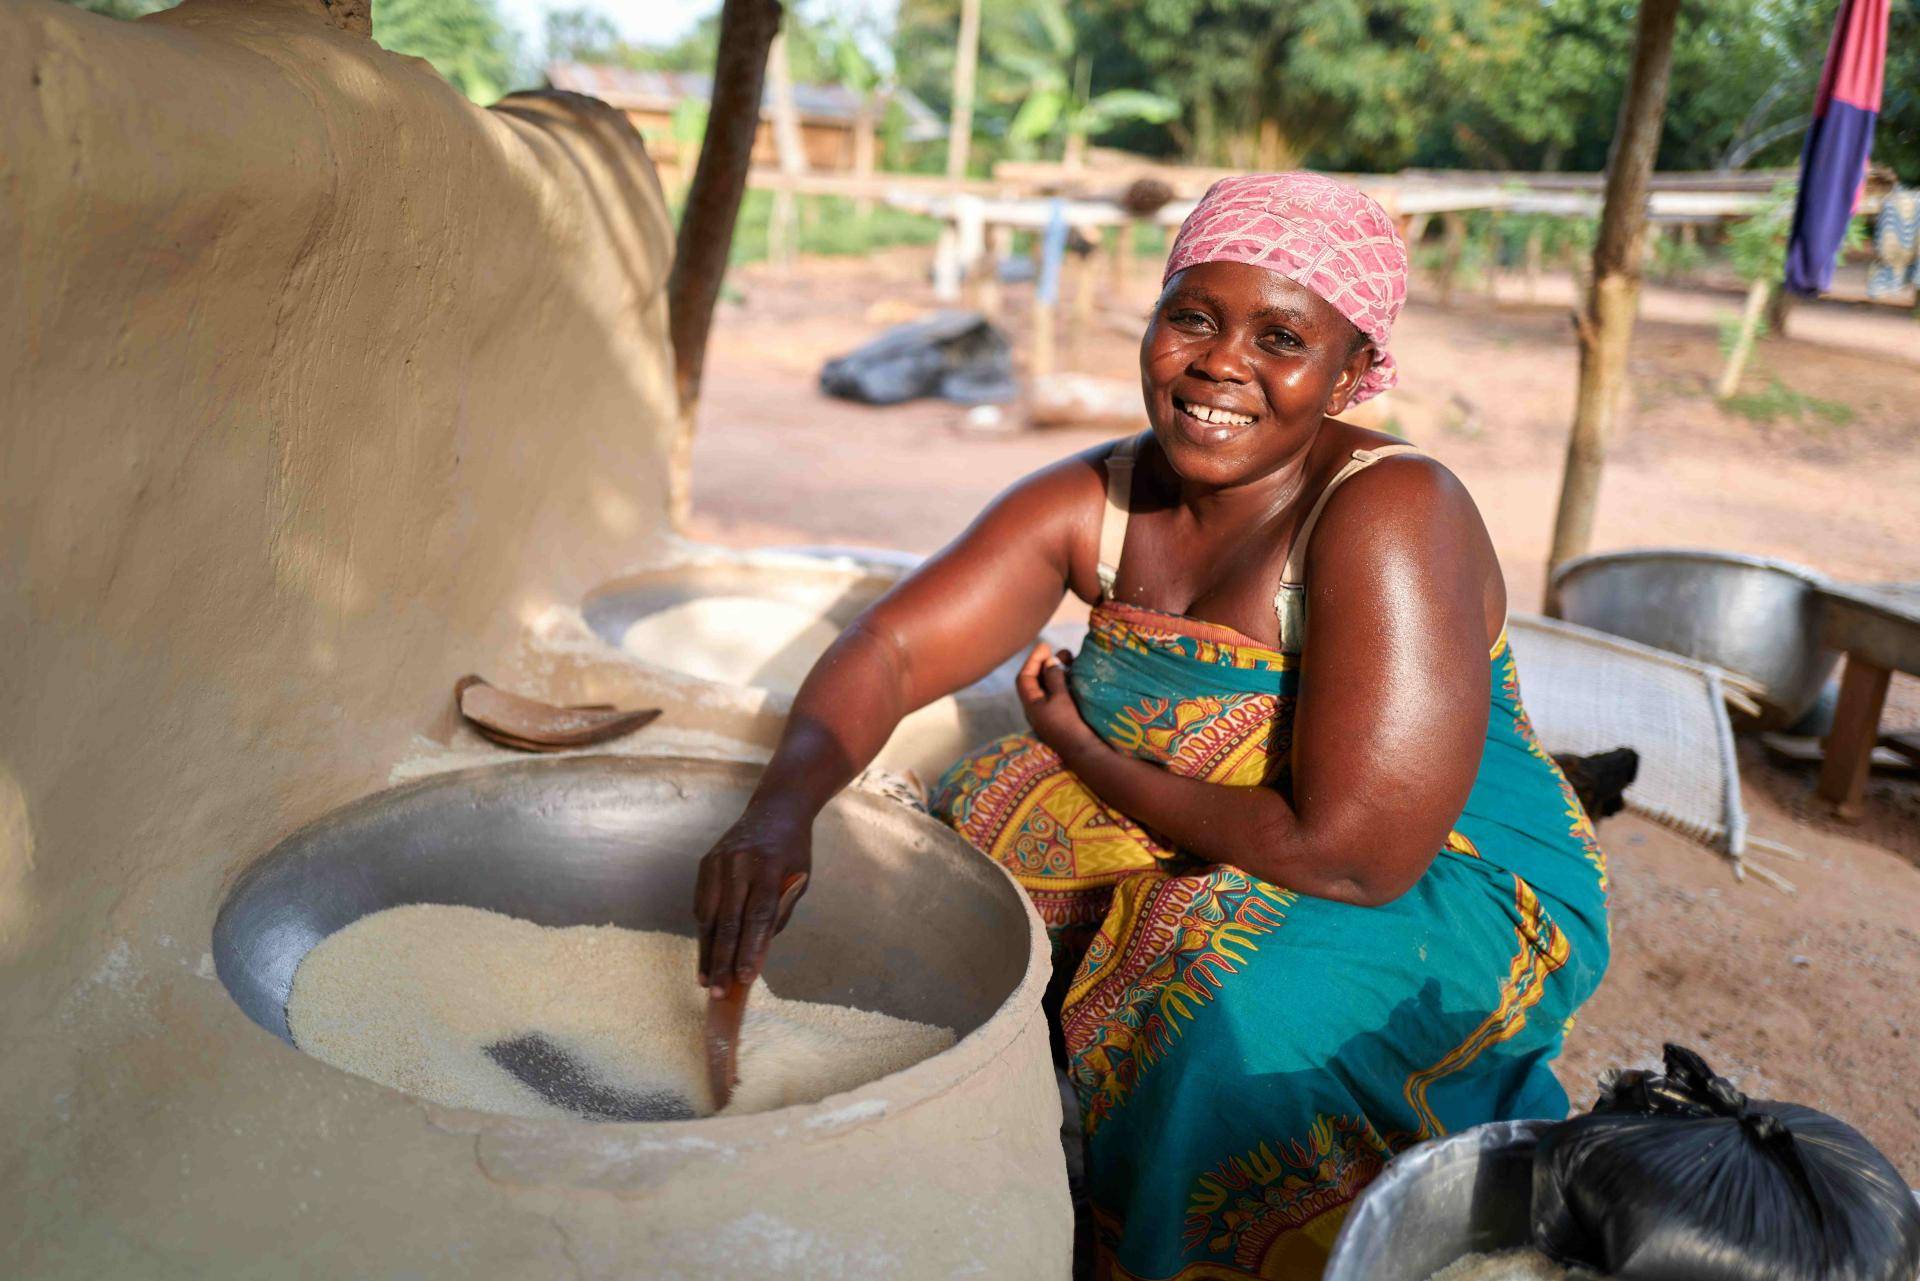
x: 1834, y: 161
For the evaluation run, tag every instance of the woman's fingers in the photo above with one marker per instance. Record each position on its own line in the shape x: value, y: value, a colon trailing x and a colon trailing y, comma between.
x: 1053, y: 677
x: 1028, y: 682
x: 758, y: 919
x: 726, y: 927
x: 706, y: 905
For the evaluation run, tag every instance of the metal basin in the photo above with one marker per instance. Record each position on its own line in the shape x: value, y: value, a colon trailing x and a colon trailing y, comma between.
x: 1465, y: 1194
x: 902, y: 916
x: 949, y: 1167
x: 832, y: 591
x: 796, y: 585
x: 1468, y: 1193
x: 1753, y: 616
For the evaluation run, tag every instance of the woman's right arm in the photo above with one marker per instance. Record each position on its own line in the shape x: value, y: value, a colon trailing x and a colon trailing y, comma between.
x: 956, y: 618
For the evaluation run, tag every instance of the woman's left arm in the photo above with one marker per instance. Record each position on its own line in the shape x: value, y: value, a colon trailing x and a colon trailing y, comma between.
x: 1392, y: 712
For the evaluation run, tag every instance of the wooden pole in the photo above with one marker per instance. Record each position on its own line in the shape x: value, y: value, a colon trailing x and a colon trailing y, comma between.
x: 1083, y: 286
x: 1743, y: 342
x: 747, y: 28
x: 783, y: 232
x: 960, y: 122
x: 1605, y: 325
x: 865, y: 147
x: 1041, y: 355
x: 1124, y: 240
x: 1848, y: 756
x: 1456, y: 245
x: 1492, y: 281
x: 999, y: 245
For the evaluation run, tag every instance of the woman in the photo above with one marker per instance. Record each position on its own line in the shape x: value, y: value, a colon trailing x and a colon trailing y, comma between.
x: 1316, y: 891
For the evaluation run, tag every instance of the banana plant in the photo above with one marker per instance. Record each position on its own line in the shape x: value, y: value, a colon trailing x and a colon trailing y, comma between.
x: 1041, y: 50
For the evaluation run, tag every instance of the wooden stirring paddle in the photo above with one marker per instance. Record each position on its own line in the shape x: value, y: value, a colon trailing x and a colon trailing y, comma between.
x: 724, y: 1013
x: 528, y: 725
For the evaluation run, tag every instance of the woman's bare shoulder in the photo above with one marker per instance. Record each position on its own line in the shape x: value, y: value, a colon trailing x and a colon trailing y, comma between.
x: 1062, y: 493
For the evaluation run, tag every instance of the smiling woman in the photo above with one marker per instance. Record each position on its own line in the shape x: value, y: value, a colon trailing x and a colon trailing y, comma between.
x: 1315, y: 893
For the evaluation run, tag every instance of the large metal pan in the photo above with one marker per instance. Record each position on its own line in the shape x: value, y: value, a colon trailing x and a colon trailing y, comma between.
x: 1751, y: 615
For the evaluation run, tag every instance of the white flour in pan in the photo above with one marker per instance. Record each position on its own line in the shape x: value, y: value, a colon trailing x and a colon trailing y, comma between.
x: 412, y: 996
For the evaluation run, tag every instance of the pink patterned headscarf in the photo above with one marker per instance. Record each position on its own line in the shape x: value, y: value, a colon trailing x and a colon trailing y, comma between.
x: 1323, y: 234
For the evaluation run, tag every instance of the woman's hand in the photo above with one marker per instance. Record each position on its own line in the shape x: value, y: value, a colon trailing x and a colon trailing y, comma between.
x: 1048, y: 703
x: 748, y: 884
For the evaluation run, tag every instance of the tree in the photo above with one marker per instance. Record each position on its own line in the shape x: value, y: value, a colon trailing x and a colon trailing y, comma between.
x: 581, y: 35
x: 1605, y: 323
x: 463, y: 39
x: 1042, y: 48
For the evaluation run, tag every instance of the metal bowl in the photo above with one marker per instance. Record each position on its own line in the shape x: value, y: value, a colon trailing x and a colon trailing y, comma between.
x: 1436, y: 1203
x: 835, y: 585
x: 1753, y: 616
x: 1469, y: 1193
x: 902, y: 916
x: 835, y: 590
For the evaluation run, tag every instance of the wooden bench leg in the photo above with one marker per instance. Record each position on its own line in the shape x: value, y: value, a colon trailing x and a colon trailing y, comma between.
x: 1856, y: 727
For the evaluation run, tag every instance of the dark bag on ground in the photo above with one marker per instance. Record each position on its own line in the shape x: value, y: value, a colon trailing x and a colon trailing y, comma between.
x: 955, y: 355
x: 1683, y: 1178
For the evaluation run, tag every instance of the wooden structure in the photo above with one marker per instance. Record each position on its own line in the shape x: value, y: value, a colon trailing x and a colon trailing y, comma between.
x: 747, y: 31
x: 838, y: 126
x: 1877, y: 626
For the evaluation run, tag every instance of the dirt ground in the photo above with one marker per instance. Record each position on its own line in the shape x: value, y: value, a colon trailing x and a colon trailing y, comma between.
x: 1810, y: 997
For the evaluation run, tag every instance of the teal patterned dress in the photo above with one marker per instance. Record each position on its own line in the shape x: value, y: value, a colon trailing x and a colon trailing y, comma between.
x: 1247, y: 1058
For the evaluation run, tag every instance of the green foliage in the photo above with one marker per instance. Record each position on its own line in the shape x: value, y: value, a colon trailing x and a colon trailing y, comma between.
x: 1757, y: 245
x: 1674, y: 259
x: 463, y: 39
x: 1051, y: 79
x: 1777, y: 400
x: 582, y: 35
x: 1379, y: 84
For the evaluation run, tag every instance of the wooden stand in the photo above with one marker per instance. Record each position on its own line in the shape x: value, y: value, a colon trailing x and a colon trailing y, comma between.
x: 1877, y: 626
x: 1856, y: 728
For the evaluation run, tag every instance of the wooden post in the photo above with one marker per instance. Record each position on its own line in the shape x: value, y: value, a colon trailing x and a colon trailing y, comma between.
x: 999, y: 245
x: 970, y: 226
x: 1605, y: 325
x: 864, y: 150
x: 960, y: 121
x: 1778, y: 306
x: 1493, y: 256
x: 1535, y: 245
x: 1041, y: 357
x: 1743, y: 342
x: 1456, y: 229
x: 1083, y: 277
x: 783, y: 232
x: 1848, y: 757
x: 1125, y: 237
x: 747, y: 28
x: 947, y: 272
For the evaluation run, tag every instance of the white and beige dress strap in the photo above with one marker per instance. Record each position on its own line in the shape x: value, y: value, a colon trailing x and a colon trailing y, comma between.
x: 1113, y: 521
x: 1290, y: 603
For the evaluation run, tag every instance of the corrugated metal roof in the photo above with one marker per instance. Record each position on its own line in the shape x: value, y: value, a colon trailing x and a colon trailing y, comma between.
x: 663, y: 90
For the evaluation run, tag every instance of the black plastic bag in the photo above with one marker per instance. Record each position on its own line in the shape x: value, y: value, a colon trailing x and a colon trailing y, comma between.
x: 956, y: 355
x: 1683, y: 1178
